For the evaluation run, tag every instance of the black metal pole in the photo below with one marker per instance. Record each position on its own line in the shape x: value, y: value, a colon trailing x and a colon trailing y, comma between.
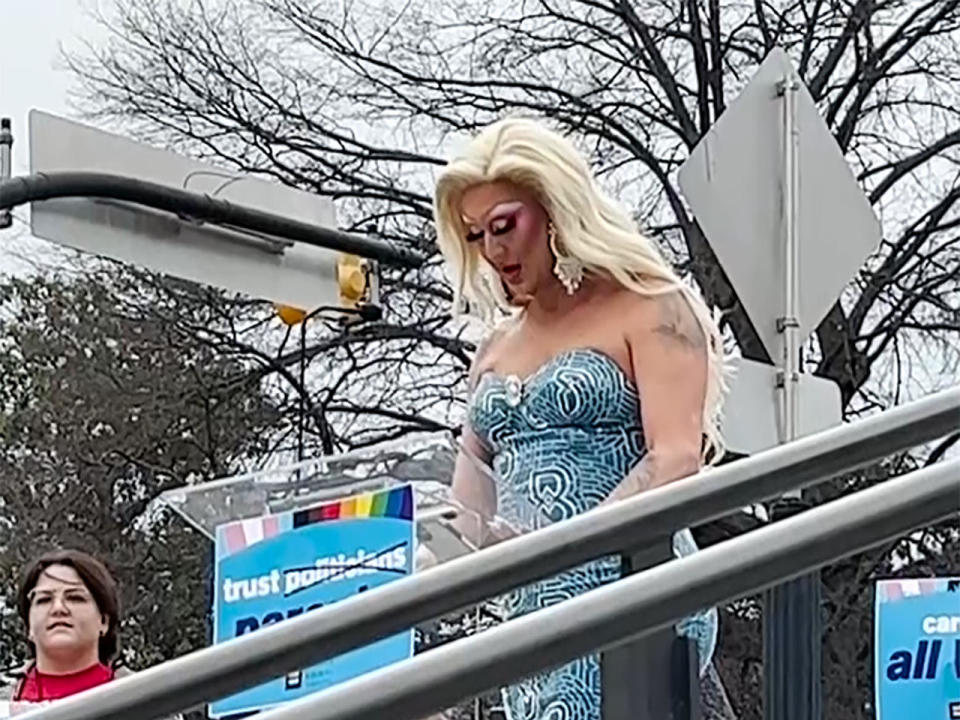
x: 792, y: 640
x: 654, y: 677
x: 6, y: 166
x: 217, y: 211
x: 301, y: 409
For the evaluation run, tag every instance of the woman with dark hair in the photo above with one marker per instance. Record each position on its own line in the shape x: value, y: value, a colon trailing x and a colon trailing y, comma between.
x: 70, y: 606
x: 69, y: 603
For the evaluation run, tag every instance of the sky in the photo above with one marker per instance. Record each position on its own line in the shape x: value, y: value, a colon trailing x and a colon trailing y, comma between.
x: 32, y: 35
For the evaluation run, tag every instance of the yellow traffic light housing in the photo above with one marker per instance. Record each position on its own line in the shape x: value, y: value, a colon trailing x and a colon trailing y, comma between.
x: 290, y: 315
x: 357, y: 288
x: 352, y: 280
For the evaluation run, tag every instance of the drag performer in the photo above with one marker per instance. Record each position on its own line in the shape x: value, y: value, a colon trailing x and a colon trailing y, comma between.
x: 604, y: 380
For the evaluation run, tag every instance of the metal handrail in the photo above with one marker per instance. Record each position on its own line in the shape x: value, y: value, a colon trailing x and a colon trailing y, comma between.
x: 223, y: 669
x: 639, y: 604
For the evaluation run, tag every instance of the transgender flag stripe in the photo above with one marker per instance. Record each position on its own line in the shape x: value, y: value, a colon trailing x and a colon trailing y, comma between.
x: 253, y: 530
x: 910, y: 587
x: 395, y: 502
x: 235, y: 539
x: 244, y: 533
x: 913, y: 587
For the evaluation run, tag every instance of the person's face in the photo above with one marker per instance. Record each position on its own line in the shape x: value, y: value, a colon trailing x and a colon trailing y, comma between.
x: 64, y: 617
x: 509, y: 227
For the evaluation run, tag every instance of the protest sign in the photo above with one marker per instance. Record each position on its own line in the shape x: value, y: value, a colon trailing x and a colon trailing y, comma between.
x: 917, y: 649
x: 276, y: 567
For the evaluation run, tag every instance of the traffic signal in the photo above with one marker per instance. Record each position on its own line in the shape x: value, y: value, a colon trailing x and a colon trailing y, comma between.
x: 357, y: 288
x: 352, y: 280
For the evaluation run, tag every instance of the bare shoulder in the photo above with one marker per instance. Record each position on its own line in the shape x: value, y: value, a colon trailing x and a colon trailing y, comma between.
x: 487, y: 350
x: 666, y: 319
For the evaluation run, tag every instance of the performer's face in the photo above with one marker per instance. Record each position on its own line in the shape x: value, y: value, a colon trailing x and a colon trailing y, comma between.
x: 509, y: 226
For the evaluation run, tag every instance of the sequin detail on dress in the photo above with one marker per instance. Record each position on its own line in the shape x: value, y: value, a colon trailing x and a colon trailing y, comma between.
x: 560, y: 441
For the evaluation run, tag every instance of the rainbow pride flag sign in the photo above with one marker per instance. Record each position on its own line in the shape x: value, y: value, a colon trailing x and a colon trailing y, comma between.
x: 917, y: 649
x: 276, y: 567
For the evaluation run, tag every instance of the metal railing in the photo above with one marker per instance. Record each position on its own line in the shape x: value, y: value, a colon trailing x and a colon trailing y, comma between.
x: 643, y: 602
x: 223, y: 669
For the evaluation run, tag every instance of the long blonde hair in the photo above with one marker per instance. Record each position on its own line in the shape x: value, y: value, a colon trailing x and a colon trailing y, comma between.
x: 590, y: 227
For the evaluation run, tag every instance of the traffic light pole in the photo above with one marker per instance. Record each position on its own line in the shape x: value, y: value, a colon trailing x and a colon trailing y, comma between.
x: 217, y: 211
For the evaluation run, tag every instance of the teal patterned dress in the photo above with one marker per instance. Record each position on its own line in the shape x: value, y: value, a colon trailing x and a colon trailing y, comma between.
x: 560, y: 441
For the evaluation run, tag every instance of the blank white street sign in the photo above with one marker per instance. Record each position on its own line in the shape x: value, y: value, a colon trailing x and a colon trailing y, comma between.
x: 301, y: 275
x: 751, y: 408
x: 733, y: 181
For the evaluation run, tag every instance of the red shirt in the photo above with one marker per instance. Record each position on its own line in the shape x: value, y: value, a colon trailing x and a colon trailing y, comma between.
x: 38, y: 686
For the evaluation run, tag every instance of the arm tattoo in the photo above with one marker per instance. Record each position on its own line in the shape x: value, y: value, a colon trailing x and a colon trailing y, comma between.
x: 677, y: 321
x: 651, y: 472
x: 641, y: 478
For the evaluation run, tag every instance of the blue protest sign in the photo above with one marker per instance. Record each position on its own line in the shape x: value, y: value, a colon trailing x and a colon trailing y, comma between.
x: 276, y: 567
x: 917, y: 649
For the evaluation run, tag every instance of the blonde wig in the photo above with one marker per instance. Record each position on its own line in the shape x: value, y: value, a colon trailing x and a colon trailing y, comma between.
x: 590, y: 227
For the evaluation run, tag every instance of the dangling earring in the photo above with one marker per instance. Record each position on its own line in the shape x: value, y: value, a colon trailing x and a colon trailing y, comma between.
x: 569, y: 270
